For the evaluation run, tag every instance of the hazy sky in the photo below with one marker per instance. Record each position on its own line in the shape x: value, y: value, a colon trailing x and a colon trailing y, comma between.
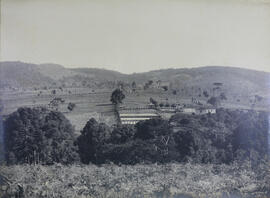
x: 137, y: 35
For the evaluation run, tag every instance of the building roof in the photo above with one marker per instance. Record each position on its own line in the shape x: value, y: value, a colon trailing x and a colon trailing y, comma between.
x: 134, y: 119
x: 138, y: 115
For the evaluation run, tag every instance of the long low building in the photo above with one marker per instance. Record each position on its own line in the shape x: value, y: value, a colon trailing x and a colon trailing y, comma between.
x: 202, y: 110
x: 133, y: 118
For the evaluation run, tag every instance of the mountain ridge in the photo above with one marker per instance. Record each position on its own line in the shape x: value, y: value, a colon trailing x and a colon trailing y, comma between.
x: 135, y: 73
x: 19, y: 74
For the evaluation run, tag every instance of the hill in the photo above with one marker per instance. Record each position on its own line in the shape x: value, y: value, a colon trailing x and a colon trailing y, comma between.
x: 27, y: 75
x: 17, y: 74
x: 192, y: 81
x: 235, y: 80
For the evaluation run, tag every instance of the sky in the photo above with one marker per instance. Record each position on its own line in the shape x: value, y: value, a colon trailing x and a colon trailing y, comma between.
x: 137, y: 35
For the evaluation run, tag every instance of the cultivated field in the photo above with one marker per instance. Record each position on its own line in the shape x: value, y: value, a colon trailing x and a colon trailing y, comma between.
x: 91, y: 103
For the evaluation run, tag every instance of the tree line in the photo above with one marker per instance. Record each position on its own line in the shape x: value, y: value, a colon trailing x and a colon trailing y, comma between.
x: 42, y: 136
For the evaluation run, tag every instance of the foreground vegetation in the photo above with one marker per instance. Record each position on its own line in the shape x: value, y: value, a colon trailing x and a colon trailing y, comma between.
x: 170, y: 180
x: 186, y: 156
x: 42, y: 136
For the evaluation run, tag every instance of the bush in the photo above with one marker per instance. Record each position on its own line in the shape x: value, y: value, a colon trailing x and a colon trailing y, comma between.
x: 224, y: 137
x: 92, y: 137
x: 53, y: 92
x: 38, y: 135
x: 154, y: 102
x: 71, y: 106
x: 131, y: 152
x: 250, y: 137
x: 117, y: 96
x: 213, y: 101
x: 55, y: 103
x: 205, y: 93
x: 122, y: 134
x: 1, y: 106
x: 149, y: 129
x: 223, y: 96
x: 181, y: 180
x: 165, y: 88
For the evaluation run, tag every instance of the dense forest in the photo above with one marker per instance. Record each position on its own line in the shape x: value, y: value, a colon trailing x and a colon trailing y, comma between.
x: 42, y: 136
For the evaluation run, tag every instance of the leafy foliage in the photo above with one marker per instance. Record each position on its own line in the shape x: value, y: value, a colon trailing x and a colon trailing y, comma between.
x: 55, y: 103
x: 92, y: 137
x: 122, y: 134
x: 117, y: 96
x: 250, y: 137
x: 38, y: 135
x: 205, y: 93
x: 223, y: 96
x: 153, y: 180
x: 1, y: 105
x: 213, y: 101
x: 154, y: 102
x: 71, y: 106
x: 151, y: 128
x: 165, y: 88
x: 223, y: 137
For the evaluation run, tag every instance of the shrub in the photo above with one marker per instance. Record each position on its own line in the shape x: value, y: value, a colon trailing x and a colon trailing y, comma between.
x: 1, y: 106
x: 205, y: 93
x: 71, y: 106
x: 92, y: 137
x: 250, y: 137
x: 55, y: 103
x: 165, y: 88
x: 154, y: 102
x: 224, y: 137
x: 117, y: 96
x: 149, y: 129
x: 213, y: 101
x: 131, y: 152
x: 223, y: 96
x: 122, y: 134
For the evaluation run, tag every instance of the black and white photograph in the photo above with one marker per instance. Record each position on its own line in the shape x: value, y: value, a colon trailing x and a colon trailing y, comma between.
x: 134, y: 98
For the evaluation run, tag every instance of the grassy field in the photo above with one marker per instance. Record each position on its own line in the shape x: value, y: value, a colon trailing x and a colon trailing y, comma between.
x: 171, y: 180
x: 89, y: 102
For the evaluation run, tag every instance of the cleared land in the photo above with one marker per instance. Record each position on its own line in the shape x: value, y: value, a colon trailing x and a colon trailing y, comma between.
x: 96, y: 104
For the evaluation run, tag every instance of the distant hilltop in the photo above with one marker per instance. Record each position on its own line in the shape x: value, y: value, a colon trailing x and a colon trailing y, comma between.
x: 237, y: 80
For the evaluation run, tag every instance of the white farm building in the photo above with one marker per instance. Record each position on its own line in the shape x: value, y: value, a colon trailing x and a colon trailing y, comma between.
x: 133, y: 118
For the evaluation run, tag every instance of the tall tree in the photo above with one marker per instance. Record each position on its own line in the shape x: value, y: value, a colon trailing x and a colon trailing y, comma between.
x: 215, y: 101
x: 117, y: 96
x: 154, y: 102
x: 92, y: 137
x: 38, y: 135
